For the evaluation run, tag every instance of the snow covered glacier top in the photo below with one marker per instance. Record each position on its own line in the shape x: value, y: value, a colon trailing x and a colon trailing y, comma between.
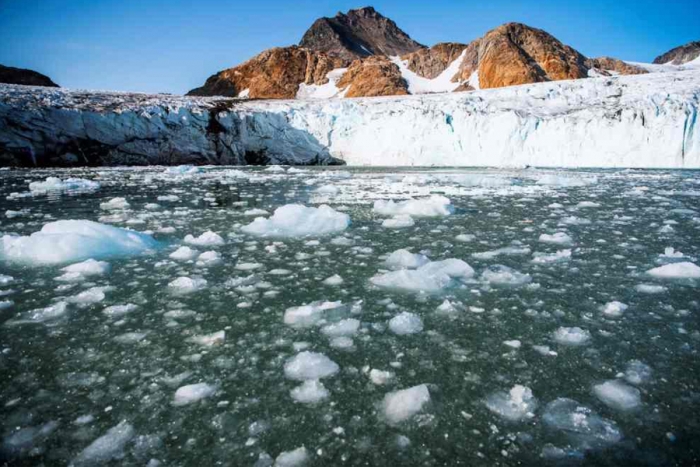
x: 626, y: 121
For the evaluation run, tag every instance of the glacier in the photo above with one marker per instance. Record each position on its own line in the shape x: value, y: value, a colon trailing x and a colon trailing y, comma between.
x: 645, y: 121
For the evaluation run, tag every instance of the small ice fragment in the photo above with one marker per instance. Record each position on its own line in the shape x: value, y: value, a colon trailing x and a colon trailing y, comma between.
x: 295, y: 458
x: 310, y: 392
x: 559, y: 238
x: 107, y: 447
x: 380, y: 377
x: 184, y: 253
x: 296, y: 220
x: 401, y: 221
x: 683, y: 270
x: 333, y: 280
x: 618, y: 395
x: 574, y: 336
x: 614, y: 309
x: 310, y: 365
x: 404, y: 259
x: 193, y: 393
x: 208, y: 238
x: 401, y: 405
x: 517, y: 404
x: 405, y: 323
x: 208, y: 340
x: 434, y: 206
x: 185, y: 285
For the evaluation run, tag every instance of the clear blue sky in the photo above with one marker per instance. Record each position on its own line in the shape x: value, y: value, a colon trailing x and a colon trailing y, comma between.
x: 174, y: 45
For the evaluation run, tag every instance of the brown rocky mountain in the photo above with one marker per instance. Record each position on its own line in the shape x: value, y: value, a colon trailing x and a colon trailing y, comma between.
x: 274, y: 74
x: 11, y: 75
x: 364, y: 41
x: 680, y: 55
x: 357, y: 34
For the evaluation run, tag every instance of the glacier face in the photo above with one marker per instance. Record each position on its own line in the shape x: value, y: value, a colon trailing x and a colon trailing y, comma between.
x: 628, y: 121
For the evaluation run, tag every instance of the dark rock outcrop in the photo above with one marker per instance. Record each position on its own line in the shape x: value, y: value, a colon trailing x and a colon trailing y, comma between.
x: 11, y: 75
x: 680, y: 55
x: 359, y: 33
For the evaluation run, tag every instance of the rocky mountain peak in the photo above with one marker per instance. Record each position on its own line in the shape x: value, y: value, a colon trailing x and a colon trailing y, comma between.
x: 358, y: 33
x: 680, y: 55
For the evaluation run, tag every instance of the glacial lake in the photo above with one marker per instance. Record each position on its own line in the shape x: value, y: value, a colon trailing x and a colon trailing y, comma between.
x: 564, y: 330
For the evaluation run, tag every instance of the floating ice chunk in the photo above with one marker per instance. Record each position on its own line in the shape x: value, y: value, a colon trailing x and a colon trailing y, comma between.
x: 683, y: 270
x: 559, y: 238
x: 571, y: 336
x: 130, y: 337
x: 308, y: 315
x: 296, y: 220
x: 380, y: 377
x: 588, y: 204
x: 88, y: 267
x: 310, y: 365
x: 184, y: 253
x: 404, y: 259
x: 399, y: 406
x: 412, y: 281
x: 310, y: 392
x: 545, y: 258
x: 401, y: 221
x: 208, y: 238
x: 248, y: 266
x: 637, y: 372
x: 5, y: 304
x: 342, y: 342
x: 614, y: 309
x: 503, y: 276
x: 193, y: 393
x: 116, y: 311
x: 54, y: 184
x: 515, y: 343
x: 72, y: 241
x: 293, y: 458
x: 182, y: 170
x: 345, y: 327
x: 465, y: 238
x: 486, y: 181
x: 5, y: 279
x: 107, y: 447
x: 670, y: 253
x: 405, y: 323
x: 256, y: 212
x: 172, y: 198
x: 89, y: 296
x: 41, y: 315
x: 185, y: 285
x: 516, y: 405
x: 618, y: 395
x: 563, y: 181
x: 650, y: 288
x: 208, y: 258
x: 581, y: 423
x: 452, y: 267
x: 328, y: 190
x: 335, y: 279
x: 208, y: 340
x: 115, y: 204
x: 434, y: 206
x: 507, y: 251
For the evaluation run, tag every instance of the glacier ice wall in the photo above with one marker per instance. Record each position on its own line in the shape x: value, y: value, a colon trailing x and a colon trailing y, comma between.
x: 632, y: 121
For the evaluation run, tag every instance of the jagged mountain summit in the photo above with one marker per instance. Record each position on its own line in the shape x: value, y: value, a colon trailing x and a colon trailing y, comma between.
x: 11, y: 75
x: 363, y: 53
x: 680, y: 55
x: 358, y: 34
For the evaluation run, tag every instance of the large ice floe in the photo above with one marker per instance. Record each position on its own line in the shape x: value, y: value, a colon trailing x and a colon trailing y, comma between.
x: 296, y: 220
x: 71, y: 241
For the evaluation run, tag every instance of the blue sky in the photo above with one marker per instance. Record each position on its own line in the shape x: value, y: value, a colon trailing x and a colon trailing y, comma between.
x: 174, y: 45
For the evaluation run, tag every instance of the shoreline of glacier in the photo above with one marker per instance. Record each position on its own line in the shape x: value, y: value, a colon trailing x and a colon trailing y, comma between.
x: 644, y: 121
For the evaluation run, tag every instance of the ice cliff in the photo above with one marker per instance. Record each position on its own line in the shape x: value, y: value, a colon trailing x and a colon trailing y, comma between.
x: 626, y: 121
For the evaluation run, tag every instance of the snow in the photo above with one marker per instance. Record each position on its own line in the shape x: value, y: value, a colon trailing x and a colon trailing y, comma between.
x: 71, y: 241
x: 208, y: 238
x: 192, y: 393
x: 405, y: 323
x: 308, y: 365
x: 573, y: 336
x: 682, y: 270
x: 434, y: 206
x: 70, y: 185
x: 441, y: 83
x: 404, y: 259
x: 401, y: 405
x: 293, y: 458
x: 323, y: 91
x: 518, y: 404
x: 618, y: 395
x: 107, y: 447
x: 310, y: 392
x: 298, y: 221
